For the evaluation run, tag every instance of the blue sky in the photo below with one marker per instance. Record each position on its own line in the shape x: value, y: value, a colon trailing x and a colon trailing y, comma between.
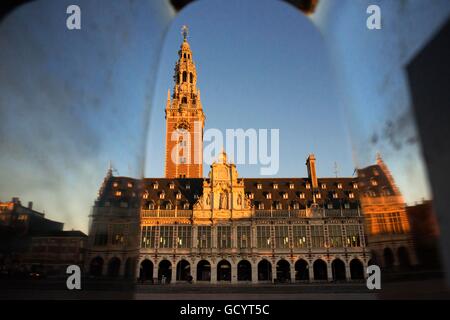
x: 255, y: 74
x: 71, y: 101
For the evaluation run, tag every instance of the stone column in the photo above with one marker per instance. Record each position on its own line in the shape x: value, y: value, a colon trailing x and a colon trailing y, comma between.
x: 155, y: 270
x: 329, y: 272
x: 193, y: 270
x: 348, y: 275
x: 122, y: 268
x: 311, y: 272
x: 255, y: 272
x: 174, y: 273
x: 137, y: 268
x: 234, y: 275
x: 292, y: 273
x: 274, y: 271
x: 213, y: 273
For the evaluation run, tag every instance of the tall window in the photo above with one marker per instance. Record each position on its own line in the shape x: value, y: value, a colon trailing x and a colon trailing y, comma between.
x: 224, y: 237
x: 118, y: 234
x: 335, y: 233
x: 184, y: 76
x: 243, y: 236
x: 264, y: 240
x: 166, y: 237
x: 101, y: 235
x: 396, y: 222
x: 204, y: 237
x: 317, y: 237
x: 353, y: 239
x: 191, y: 77
x: 148, y: 236
x: 282, y: 236
x: 184, y: 239
x: 300, y: 238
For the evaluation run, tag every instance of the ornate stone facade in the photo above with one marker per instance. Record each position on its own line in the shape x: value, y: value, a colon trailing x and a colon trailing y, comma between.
x: 224, y: 228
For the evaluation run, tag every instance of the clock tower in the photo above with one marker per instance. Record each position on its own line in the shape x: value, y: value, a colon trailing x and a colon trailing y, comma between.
x: 184, y: 119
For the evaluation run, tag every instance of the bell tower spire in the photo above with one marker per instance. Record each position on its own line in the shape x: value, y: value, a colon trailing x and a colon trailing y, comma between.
x: 184, y: 119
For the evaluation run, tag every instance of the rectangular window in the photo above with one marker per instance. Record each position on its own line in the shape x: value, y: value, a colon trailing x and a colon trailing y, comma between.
x: 264, y: 240
x: 204, y: 237
x: 396, y: 223
x: 166, y: 237
x: 184, y: 239
x: 118, y: 234
x: 282, y: 236
x: 335, y: 234
x: 317, y: 237
x: 300, y: 238
x: 224, y: 237
x: 243, y: 236
x: 353, y: 239
x: 101, y: 235
x: 148, y: 236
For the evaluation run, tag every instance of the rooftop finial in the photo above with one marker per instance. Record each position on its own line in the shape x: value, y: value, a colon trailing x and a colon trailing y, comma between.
x: 184, y: 31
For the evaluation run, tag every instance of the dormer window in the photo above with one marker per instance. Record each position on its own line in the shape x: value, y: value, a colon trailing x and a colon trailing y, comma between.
x: 186, y: 206
x: 155, y: 186
x: 195, y: 196
x: 318, y: 195
x: 291, y: 186
x: 302, y: 195
x: 172, y: 185
x: 351, y: 195
x: 151, y: 206
x: 251, y: 196
x: 118, y: 193
x: 162, y: 195
x: 339, y: 185
x: 285, y: 195
x: 346, y: 205
x: 335, y: 195
x: 373, y: 182
x: 330, y: 206
x: 268, y: 196
x: 275, y: 185
x: 375, y: 172
x: 278, y: 206
x: 130, y: 185
x: 188, y: 186
x: 178, y: 195
x: 324, y: 186
x: 296, y: 206
x: 168, y: 206
x: 355, y: 185
x: 145, y: 195
x: 260, y: 206
x: 308, y: 186
x: 115, y: 184
x: 259, y: 186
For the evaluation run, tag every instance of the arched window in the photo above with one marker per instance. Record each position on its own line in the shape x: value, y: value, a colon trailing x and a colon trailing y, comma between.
x: 184, y: 76
x: 191, y: 77
x: 184, y: 100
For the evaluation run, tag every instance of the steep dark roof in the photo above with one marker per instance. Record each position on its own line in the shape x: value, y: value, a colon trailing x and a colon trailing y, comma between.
x: 65, y: 234
x: 373, y: 181
x: 299, y: 187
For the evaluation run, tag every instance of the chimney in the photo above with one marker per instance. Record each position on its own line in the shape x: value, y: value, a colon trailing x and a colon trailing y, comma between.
x: 15, y: 200
x: 311, y: 165
x: 30, y: 205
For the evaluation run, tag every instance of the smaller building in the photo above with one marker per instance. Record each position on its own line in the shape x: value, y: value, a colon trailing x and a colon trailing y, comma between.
x: 425, y: 232
x: 52, y: 253
x: 30, y: 242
